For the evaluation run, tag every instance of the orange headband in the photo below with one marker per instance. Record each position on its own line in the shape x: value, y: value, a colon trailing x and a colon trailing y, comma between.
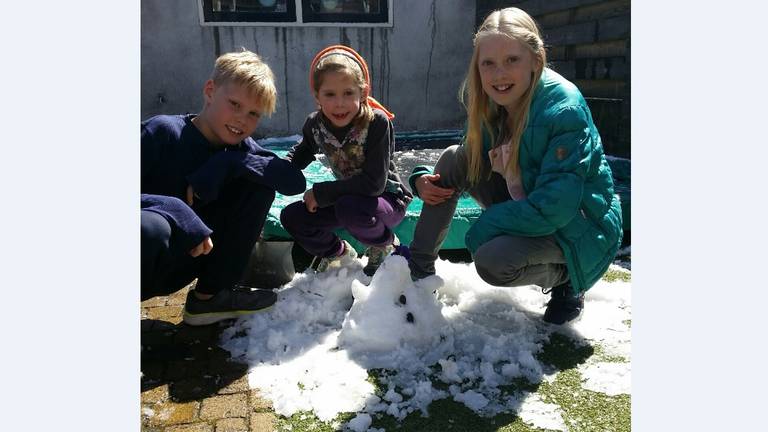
x: 348, y: 52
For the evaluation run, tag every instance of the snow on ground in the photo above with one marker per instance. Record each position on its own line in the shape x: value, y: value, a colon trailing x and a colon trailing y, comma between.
x: 313, y: 349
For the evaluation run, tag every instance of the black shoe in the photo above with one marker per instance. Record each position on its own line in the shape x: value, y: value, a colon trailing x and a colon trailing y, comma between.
x: 226, y: 304
x: 564, y: 306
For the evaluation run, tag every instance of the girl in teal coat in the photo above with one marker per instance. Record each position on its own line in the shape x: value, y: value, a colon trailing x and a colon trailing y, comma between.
x: 533, y: 159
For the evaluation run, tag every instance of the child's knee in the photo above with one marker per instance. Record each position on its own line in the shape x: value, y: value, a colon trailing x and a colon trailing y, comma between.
x: 351, y: 211
x: 154, y: 228
x: 258, y: 192
x: 493, y: 268
x: 291, y: 214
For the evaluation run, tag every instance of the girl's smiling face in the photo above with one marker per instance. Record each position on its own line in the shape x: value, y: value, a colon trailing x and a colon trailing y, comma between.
x: 506, y: 67
x: 339, y: 98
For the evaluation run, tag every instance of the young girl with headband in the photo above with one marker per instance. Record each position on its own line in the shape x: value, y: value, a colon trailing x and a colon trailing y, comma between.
x: 533, y: 159
x: 355, y: 133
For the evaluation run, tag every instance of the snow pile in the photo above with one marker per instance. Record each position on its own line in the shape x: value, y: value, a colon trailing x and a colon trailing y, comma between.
x: 312, y: 350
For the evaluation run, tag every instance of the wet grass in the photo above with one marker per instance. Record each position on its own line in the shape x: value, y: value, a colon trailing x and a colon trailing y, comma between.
x: 582, y: 410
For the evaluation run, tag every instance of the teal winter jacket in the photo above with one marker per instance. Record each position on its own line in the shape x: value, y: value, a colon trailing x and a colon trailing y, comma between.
x: 568, y: 184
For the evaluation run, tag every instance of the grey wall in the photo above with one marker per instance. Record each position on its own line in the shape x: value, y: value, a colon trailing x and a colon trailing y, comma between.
x: 416, y: 66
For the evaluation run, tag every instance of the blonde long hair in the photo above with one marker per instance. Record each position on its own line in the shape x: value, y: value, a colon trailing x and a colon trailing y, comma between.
x: 482, y: 112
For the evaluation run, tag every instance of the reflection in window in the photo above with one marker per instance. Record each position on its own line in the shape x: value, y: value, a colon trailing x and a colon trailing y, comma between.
x: 345, y: 6
x: 249, y: 6
x: 363, y: 13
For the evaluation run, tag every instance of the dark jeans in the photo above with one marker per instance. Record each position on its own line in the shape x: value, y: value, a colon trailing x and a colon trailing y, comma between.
x: 236, y: 219
x: 369, y: 219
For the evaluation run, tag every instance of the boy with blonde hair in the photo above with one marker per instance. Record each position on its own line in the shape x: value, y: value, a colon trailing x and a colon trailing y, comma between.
x: 206, y: 188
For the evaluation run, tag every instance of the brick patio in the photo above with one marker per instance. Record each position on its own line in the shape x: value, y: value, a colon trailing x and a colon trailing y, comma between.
x: 188, y: 383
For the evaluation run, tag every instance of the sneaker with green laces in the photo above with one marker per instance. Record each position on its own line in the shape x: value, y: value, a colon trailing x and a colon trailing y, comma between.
x: 376, y: 256
x: 332, y: 262
x: 226, y: 304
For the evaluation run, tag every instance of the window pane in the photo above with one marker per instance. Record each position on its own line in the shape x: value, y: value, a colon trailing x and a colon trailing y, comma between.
x: 231, y: 11
x: 363, y: 11
x: 345, y: 6
x: 277, y: 6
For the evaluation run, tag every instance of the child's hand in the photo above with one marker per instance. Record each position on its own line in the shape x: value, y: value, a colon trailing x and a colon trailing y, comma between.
x: 190, y: 195
x: 310, y: 201
x: 429, y: 192
x: 203, y: 248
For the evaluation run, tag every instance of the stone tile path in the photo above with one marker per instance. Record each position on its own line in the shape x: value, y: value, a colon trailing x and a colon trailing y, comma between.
x: 188, y: 383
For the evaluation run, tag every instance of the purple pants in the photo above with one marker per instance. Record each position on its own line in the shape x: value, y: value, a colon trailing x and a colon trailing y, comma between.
x: 369, y: 219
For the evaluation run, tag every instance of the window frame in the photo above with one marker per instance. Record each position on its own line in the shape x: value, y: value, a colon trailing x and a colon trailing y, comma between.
x: 295, y: 9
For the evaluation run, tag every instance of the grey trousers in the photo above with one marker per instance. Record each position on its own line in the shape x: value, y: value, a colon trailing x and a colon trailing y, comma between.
x: 506, y: 260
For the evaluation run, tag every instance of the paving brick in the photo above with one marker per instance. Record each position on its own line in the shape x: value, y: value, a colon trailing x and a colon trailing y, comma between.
x: 202, y: 334
x: 179, y: 297
x: 170, y: 413
x: 263, y: 422
x: 196, y: 427
x: 193, y: 388
x: 151, y: 373
x: 146, y: 324
x: 222, y: 363
x: 232, y: 425
x: 171, y: 314
x: 259, y: 403
x: 220, y: 407
x: 155, y: 395
x: 187, y: 368
x: 233, y: 384
x: 155, y: 302
x: 164, y: 325
x: 158, y: 337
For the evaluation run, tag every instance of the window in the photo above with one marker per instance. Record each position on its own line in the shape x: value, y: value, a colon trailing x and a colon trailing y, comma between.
x: 321, y: 13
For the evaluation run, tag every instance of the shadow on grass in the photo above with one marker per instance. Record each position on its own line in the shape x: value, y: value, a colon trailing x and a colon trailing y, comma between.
x: 560, y: 352
x: 186, y: 358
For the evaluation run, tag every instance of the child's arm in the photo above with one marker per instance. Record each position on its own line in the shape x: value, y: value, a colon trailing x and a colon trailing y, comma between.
x: 303, y: 153
x: 188, y: 230
x: 558, y: 189
x: 149, y: 153
x: 375, y: 170
x: 250, y: 162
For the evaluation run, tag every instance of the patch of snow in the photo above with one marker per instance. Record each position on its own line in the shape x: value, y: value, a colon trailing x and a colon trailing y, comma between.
x: 313, y: 349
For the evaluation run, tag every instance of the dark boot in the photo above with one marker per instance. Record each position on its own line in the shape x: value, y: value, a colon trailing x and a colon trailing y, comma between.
x: 564, y: 305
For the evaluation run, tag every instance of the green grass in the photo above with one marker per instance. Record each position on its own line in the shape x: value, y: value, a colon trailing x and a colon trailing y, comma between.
x: 613, y: 275
x: 583, y: 410
x: 602, y: 356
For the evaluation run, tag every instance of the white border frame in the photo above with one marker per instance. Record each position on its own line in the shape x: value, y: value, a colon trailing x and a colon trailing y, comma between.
x: 299, y: 20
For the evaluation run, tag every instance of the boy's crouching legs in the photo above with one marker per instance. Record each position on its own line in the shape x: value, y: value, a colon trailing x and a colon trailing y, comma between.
x: 155, y: 254
x: 236, y: 219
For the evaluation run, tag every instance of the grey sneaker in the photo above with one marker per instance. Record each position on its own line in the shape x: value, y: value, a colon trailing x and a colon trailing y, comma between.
x: 347, y: 257
x: 226, y: 304
x: 376, y: 256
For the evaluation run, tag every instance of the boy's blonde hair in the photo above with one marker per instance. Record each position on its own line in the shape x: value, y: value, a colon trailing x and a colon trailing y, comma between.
x: 481, y: 110
x: 347, y: 65
x: 247, y: 69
